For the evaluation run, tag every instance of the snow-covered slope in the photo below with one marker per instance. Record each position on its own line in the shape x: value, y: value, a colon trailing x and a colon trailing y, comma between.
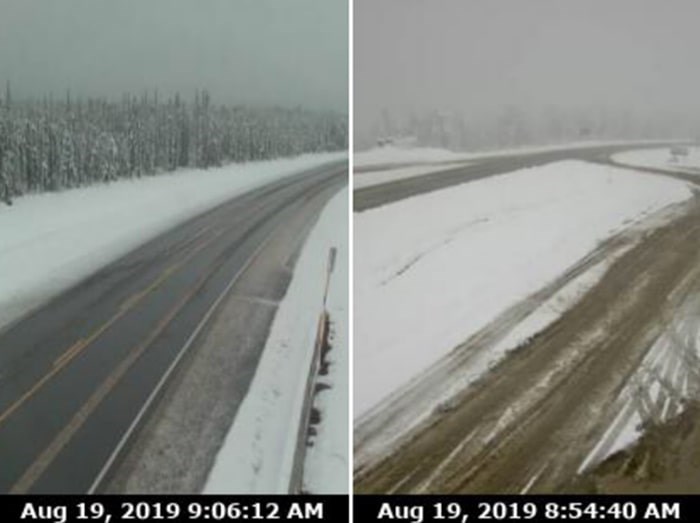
x: 258, y: 452
x: 433, y: 269
x: 49, y: 242
x: 327, y: 461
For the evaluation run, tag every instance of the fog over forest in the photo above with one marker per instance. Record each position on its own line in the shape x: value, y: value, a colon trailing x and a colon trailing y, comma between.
x: 95, y: 91
x: 243, y: 52
x: 471, y: 75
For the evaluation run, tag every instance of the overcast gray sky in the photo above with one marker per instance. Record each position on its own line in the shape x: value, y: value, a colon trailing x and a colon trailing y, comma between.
x: 473, y: 55
x: 244, y: 51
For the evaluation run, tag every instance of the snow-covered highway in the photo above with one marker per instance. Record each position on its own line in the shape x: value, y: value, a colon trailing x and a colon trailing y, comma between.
x: 537, y: 292
x: 84, y: 374
x: 479, y: 166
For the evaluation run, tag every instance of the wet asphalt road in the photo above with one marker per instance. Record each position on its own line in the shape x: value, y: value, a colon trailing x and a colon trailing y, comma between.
x: 75, y: 373
x: 378, y: 195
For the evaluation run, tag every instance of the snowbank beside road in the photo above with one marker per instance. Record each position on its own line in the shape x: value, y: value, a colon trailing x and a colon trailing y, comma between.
x: 49, y: 242
x: 661, y: 159
x: 432, y: 270
x: 327, y: 465
x: 258, y: 453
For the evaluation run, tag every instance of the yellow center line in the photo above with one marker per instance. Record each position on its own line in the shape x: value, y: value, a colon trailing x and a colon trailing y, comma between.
x: 44, y: 460
x: 79, y: 346
x: 68, y: 355
x: 46, y: 457
x: 138, y: 296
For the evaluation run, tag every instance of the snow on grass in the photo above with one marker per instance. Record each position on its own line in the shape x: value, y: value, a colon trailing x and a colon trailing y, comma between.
x: 432, y: 270
x: 258, y: 453
x: 661, y: 159
x: 397, y: 155
x: 51, y: 241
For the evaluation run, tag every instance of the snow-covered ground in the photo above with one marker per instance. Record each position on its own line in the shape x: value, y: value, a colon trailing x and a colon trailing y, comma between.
x: 388, y: 155
x: 326, y: 468
x: 460, y: 256
x: 661, y: 159
x: 51, y: 241
x: 258, y: 452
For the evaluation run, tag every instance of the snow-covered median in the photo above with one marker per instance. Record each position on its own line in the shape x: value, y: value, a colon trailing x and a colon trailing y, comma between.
x: 258, y: 453
x: 662, y: 159
x: 432, y: 270
x: 391, y: 154
x: 49, y: 242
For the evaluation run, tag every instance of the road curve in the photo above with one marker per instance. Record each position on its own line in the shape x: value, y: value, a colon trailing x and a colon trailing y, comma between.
x: 533, y: 419
x: 76, y: 373
x: 529, y: 424
x: 382, y: 194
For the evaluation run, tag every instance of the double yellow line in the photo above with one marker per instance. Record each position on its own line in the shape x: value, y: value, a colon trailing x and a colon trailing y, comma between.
x: 79, y: 346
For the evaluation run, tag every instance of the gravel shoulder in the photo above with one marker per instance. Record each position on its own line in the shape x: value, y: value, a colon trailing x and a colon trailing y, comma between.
x: 175, y: 449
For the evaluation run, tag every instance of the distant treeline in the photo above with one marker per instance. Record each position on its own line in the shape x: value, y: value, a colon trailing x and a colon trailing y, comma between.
x: 47, y: 145
x: 513, y: 126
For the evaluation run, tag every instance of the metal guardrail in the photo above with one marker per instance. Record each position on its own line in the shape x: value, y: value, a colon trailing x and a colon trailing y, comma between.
x: 296, y: 479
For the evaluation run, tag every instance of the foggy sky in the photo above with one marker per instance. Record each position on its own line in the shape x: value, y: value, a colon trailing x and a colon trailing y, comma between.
x: 477, y: 56
x: 243, y: 51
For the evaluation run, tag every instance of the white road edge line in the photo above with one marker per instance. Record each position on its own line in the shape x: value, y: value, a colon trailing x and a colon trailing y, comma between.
x: 129, y: 431
x: 533, y: 479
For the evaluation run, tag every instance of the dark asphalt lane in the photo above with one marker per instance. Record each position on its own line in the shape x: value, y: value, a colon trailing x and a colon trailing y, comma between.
x: 75, y: 373
x: 685, y: 177
x: 378, y: 195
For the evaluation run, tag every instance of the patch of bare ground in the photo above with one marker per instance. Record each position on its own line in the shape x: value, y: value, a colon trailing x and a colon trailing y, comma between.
x: 529, y: 423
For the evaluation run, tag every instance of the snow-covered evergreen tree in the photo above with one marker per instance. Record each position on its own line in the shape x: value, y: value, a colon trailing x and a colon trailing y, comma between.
x: 49, y: 145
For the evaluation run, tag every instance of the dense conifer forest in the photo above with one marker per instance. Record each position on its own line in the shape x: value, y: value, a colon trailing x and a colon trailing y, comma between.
x: 49, y: 144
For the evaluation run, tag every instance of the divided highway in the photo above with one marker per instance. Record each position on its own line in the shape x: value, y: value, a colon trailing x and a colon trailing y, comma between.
x: 382, y: 194
x: 553, y: 396
x: 76, y: 374
x: 529, y: 424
